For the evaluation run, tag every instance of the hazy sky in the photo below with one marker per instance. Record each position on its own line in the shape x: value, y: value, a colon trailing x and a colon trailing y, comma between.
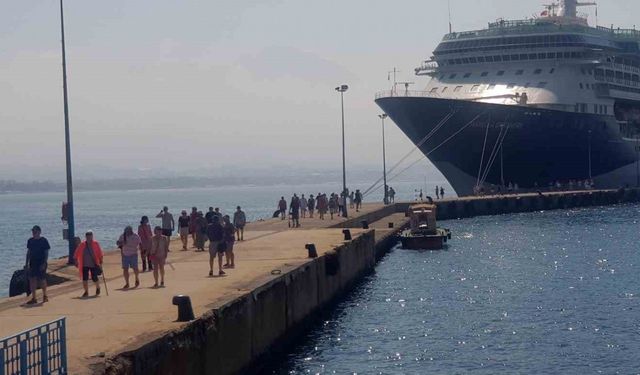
x: 188, y: 84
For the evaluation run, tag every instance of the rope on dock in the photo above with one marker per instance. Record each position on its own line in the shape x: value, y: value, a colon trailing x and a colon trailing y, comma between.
x: 417, y: 146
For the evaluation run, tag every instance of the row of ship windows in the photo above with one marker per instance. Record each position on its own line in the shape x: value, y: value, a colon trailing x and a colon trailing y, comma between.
x: 478, y: 88
x: 519, y: 47
x: 597, y: 108
x: 539, y: 39
x: 515, y: 57
x: 587, y: 86
x: 500, y: 73
x: 601, y: 74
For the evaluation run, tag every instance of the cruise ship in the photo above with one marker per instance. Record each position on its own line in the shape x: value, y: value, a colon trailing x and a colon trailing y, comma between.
x: 531, y: 103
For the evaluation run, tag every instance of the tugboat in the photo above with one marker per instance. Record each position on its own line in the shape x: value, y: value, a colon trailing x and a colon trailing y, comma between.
x: 423, y: 233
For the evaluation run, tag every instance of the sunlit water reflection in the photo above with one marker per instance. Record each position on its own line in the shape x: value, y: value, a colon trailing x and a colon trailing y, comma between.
x: 552, y: 292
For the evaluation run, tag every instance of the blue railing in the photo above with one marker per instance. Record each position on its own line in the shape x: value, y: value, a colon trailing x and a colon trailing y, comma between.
x: 39, y: 350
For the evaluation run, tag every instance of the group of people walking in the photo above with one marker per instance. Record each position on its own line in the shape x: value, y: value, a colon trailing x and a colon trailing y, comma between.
x: 146, y: 244
x: 302, y: 207
x: 218, y: 229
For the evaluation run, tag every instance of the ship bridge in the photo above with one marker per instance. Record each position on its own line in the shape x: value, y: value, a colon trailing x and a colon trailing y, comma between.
x: 555, y: 61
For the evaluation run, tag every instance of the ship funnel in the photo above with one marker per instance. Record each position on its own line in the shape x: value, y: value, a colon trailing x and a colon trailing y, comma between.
x: 568, y: 8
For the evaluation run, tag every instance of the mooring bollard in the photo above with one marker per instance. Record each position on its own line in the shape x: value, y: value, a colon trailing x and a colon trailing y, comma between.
x: 347, y: 234
x: 365, y: 224
x: 391, y: 225
x: 185, y: 311
x: 311, y: 248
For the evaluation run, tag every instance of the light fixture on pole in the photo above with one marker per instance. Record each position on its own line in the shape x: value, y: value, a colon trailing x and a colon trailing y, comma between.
x: 342, y: 89
x: 68, y: 213
x: 384, y: 161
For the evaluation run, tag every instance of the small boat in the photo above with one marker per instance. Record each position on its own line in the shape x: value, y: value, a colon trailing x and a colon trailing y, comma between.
x: 423, y: 232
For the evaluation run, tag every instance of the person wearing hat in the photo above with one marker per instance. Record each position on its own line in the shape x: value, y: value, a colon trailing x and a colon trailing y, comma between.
x: 88, y: 258
x: 36, y: 264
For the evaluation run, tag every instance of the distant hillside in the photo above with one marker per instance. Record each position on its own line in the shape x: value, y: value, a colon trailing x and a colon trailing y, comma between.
x: 271, y: 177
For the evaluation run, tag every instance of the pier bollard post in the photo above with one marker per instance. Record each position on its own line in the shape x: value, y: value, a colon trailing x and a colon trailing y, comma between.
x: 185, y: 310
x: 347, y: 234
x: 365, y: 224
x: 311, y: 248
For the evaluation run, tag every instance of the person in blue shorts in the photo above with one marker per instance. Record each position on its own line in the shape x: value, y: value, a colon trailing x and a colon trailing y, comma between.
x: 128, y: 244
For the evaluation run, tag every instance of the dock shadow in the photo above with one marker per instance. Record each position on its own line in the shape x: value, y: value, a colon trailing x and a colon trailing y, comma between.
x: 26, y: 306
x: 86, y: 298
x: 216, y: 276
x: 129, y: 289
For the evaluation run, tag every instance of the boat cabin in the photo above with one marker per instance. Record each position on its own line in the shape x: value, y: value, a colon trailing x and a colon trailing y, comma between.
x: 423, y: 218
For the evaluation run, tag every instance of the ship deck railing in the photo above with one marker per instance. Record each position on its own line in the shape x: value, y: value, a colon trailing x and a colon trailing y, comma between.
x: 406, y: 93
x: 528, y: 26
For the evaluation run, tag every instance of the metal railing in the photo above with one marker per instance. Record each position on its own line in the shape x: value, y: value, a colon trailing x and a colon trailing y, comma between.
x: 406, y: 93
x: 625, y: 82
x: 39, y: 350
x: 539, y: 25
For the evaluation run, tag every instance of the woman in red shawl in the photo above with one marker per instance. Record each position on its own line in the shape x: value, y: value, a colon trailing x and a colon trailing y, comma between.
x: 88, y: 257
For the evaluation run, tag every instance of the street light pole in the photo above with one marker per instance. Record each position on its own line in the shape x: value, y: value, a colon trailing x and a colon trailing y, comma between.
x: 384, y: 161
x: 69, y: 214
x: 342, y: 89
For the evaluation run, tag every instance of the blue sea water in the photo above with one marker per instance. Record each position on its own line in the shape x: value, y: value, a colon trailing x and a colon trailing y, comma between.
x: 108, y: 212
x: 539, y: 293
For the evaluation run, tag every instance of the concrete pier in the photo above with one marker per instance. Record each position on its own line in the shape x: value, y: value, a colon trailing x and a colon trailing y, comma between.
x: 466, y: 207
x: 257, y: 307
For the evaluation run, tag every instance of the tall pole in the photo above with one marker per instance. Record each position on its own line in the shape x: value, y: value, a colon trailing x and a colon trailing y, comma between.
x: 501, y: 167
x: 70, y: 217
x: 590, y: 176
x: 341, y: 90
x: 637, y: 160
x: 384, y: 161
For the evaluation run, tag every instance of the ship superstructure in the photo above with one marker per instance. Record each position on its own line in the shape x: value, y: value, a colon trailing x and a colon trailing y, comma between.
x: 529, y: 102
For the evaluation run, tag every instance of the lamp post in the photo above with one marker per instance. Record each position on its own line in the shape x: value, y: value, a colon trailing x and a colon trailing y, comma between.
x: 384, y: 161
x: 69, y: 212
x: 342, y: 89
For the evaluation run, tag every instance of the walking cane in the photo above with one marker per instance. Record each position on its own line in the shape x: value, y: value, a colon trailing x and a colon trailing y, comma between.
x: 104, y: 279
